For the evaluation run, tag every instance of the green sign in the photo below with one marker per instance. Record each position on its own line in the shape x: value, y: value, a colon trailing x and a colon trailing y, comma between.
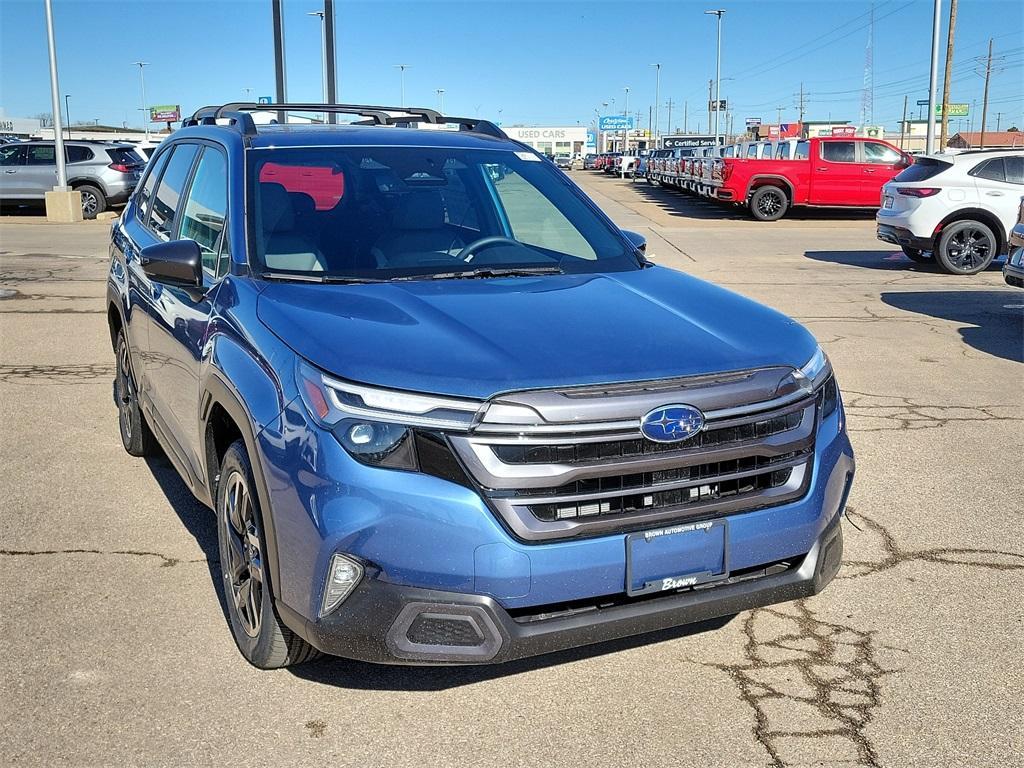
x: 954, y: 110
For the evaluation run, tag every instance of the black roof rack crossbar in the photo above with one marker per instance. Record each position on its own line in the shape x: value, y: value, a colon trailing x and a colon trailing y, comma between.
x: 236, y: 112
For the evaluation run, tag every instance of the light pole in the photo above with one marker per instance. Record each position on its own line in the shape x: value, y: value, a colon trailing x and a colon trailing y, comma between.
x: 657, y: 101
x: 142, y: 85
x: 625, y: 135
x: 440, y: 100
x: 323, y: 51
x: 402, y: 68
x: 718, y: 70
x: 67, y: 113
x: 58, y: 134
x: 247, y: 92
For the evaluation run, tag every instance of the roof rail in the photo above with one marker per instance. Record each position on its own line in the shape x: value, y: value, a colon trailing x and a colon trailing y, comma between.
x: 237, y: 114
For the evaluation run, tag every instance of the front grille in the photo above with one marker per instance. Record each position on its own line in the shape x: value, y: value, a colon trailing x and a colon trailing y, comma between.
x: 427, y: 629
x: 575, y: 476
x: 576, y: 453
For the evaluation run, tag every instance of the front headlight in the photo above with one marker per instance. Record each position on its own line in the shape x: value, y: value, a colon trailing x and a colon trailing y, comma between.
x: 805, y: 380
x: 376, y: 425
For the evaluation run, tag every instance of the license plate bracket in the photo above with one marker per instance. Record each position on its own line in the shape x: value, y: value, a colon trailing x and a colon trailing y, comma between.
x: 887, y: 202
x: 677, y: 556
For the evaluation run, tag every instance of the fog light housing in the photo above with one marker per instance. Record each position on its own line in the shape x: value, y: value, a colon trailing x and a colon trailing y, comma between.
x: 343, y: 575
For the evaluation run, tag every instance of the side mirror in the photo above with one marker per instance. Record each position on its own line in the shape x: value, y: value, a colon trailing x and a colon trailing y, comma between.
x: 639, y: 241
x: 904, y: 161
x: 177, y: 263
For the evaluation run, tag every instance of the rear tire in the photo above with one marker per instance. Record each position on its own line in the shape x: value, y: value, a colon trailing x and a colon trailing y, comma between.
x: 916, y: 254
x: 769, y: 203
x: 966, y: 247
x: 259, y: 633
x: 93, y: 200
x: 136, y: 436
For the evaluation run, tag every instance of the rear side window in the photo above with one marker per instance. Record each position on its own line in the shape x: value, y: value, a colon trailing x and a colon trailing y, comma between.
x: 168, y: 194
x: 206, y: 207
x: 77, y: 154
x: 42, y: 155
x: 326, y: 185
x: 803, y: 150
x: 992, y: 170
x: 839, y: 151
x: 923, y: 169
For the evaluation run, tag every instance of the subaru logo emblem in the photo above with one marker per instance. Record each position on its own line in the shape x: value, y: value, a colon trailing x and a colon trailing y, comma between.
x: 672, y: 423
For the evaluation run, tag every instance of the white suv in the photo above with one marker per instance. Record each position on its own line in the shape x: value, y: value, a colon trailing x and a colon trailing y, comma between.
x: 955, y: 209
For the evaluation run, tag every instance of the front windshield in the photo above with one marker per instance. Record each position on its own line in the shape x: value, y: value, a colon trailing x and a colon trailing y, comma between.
x: 380, y: 213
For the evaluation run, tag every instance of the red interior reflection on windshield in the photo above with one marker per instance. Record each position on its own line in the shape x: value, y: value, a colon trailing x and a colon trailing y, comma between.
x: 323, y: 184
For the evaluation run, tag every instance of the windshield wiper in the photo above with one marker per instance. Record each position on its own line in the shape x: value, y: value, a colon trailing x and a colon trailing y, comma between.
x: 482, y: 272
x: 313, y: 277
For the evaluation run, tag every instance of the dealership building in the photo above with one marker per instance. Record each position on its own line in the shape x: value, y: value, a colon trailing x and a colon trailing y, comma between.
x: 572, y: 140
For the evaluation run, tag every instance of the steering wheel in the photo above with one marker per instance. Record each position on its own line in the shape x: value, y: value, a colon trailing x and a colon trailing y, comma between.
x: 468, y: 252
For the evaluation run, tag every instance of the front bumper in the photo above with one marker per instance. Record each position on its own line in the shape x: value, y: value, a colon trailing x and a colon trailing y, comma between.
x: 903, y: 237
x: 386, y: 623
x: 1013, y: 270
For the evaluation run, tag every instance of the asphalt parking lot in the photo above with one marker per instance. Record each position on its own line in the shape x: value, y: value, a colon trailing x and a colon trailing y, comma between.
x: 115, y: 651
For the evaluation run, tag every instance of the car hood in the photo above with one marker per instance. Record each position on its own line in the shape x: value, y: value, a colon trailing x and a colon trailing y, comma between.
x: 477, y: 338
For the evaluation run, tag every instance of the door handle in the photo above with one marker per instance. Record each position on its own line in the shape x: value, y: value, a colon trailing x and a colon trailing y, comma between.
x: 994, y: 193
x: 10, y: 170
x: 869, y: 170
x: 822, y: 170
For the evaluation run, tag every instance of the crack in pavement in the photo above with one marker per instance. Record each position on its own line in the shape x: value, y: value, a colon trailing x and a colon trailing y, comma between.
x: 797, y: 666
x: 58, y: 374
x: 896, y: 413
x: 894, y: 554
x: 166, y: 560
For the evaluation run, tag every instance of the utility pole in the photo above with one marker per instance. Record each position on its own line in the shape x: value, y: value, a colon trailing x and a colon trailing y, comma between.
x: 999, y: 117
x: 944, y: 130
x: 778, y: 115
x: 802, y: 95
x: 984, y: 103
x: 903, y: 125
x: 933, y: 77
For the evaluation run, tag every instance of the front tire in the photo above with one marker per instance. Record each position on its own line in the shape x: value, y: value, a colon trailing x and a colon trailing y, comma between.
x: 259, y: 633
x: 136, y: 436
x: 966, y: 247
x: 93, y: 200
x: 769, y: 203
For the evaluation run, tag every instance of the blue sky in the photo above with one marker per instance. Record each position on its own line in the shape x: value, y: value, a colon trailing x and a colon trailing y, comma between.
x: 549, y: 63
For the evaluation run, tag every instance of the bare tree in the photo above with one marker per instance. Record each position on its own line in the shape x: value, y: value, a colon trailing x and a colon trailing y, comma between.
x: 45, y: 119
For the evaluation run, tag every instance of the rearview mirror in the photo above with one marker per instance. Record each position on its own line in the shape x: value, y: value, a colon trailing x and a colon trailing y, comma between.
x: 639, y: 241
x: 177, y: 263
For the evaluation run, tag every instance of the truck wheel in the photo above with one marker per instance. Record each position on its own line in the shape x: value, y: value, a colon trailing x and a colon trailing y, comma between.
x: 966, y: 247
x: 916, y: 254
x: 136, y: 436
x: 769, y: 204
x: 259, y: 633
x: 93, y: 201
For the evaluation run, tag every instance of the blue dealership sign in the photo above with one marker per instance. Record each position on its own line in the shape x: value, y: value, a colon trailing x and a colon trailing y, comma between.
x: 616, y: 123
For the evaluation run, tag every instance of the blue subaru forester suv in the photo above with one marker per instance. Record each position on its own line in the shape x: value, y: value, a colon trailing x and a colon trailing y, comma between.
x: 444, y: 410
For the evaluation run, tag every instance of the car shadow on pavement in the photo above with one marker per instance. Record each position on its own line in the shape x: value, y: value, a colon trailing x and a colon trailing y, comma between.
x: 344, y: 673
x: 887, y: 260
x: 197, y: 519
x: 994, y: 322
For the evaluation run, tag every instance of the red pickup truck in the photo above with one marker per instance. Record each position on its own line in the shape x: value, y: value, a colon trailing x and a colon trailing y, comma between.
x: 824, y: 172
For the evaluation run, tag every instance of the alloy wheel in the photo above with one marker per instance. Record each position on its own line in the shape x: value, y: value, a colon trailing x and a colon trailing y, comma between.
x: 243, y: 571
x: 969, y: 248
x: 89, y: 203
x: 125, y: 392
x: 769, y: 204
